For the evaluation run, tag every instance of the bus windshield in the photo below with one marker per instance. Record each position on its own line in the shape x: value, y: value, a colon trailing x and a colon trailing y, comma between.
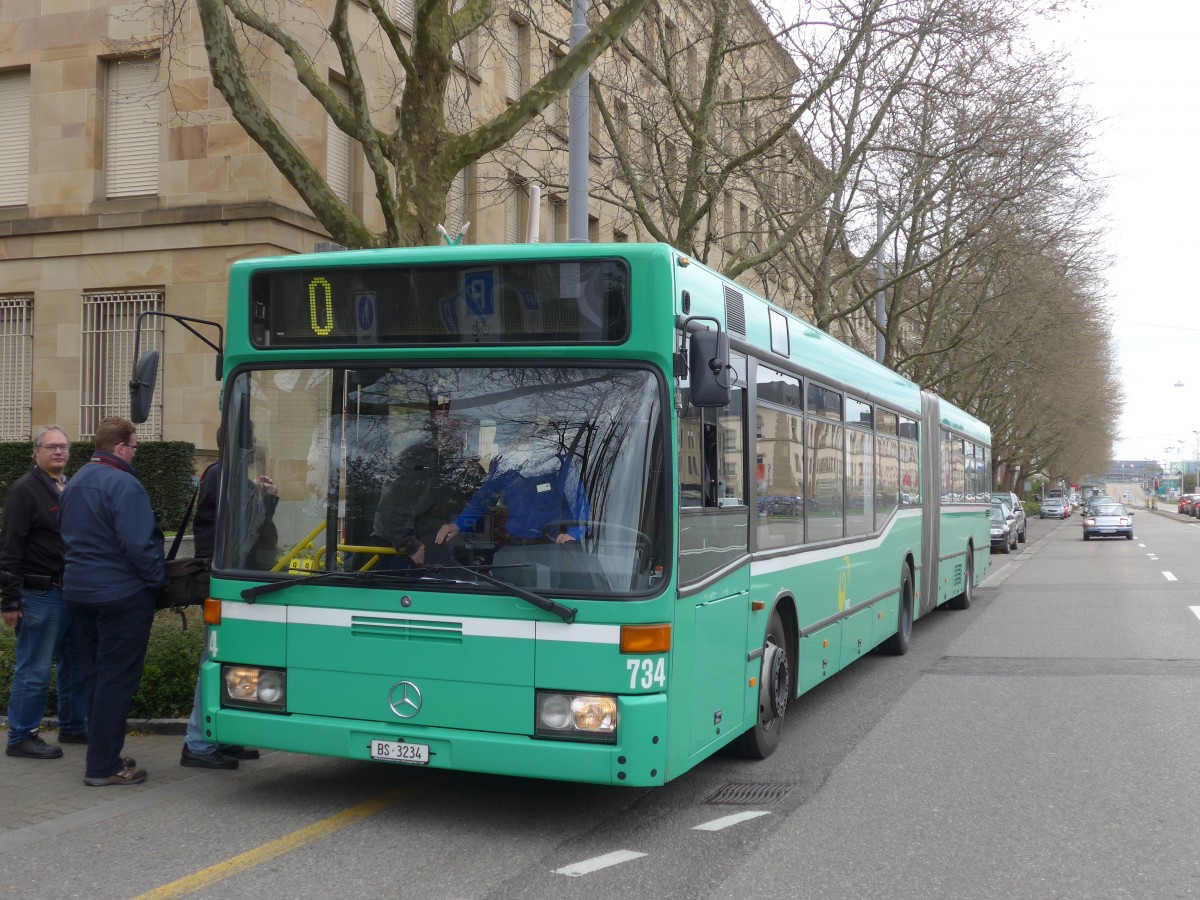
x: 546, y: 477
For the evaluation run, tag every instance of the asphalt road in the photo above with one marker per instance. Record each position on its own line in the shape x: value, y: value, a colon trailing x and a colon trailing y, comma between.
x: 1039, y: 744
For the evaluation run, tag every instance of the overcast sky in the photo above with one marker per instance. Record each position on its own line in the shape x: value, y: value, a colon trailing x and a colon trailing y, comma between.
x: 1139, y: 59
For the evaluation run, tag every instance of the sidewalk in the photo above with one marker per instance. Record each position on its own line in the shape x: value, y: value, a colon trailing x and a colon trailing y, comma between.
x: 41, y: 798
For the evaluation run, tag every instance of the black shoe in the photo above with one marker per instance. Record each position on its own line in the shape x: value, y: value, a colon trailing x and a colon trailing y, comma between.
x: 33, y: 747
x: 214, y: 759
x: 237, y: 752
x: 72, y: 737
x: 125, y: 776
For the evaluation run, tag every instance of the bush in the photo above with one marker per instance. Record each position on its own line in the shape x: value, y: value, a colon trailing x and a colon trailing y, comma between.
x: 167, y: 469
x: 168, y: 682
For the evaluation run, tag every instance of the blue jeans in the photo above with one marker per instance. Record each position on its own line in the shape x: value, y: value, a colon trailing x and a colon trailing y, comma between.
x: 48, y: 631
x: 114, y: 641
x: 194, y: 738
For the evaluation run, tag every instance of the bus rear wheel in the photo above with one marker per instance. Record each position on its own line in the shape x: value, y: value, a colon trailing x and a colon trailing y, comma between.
x: 774, y: 691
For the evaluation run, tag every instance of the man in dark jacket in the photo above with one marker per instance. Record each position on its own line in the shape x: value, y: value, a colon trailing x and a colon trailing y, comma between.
x: 31, y: 600
x: 433, y: 481
x: 114, y: 572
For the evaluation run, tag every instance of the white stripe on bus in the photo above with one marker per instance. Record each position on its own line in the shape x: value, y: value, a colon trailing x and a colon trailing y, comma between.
x: 779, y: 563
x: 471, y: 626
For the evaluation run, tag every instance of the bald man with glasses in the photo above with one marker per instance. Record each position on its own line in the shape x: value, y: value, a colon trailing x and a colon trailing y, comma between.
x: 31, y: 601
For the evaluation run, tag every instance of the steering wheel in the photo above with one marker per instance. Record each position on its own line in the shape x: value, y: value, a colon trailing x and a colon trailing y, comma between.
x: 551, y: 530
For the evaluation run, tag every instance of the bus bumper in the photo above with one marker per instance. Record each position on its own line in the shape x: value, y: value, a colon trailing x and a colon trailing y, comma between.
x: 638, y: 759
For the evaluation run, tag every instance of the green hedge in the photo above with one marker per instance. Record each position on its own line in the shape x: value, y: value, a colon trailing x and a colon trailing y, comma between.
x: 166, y: 468
x: 168, y: 682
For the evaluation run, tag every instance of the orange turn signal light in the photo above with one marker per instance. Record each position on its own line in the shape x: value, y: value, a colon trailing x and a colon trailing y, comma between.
x: 645, y: 638
x: 212, y: 612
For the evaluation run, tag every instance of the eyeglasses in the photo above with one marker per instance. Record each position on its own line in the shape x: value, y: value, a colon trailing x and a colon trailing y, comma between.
x: 132, y: 447
x: 54, y: 448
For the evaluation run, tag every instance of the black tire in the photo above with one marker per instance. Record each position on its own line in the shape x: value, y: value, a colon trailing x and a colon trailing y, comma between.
x: 1129, y: 537
x: 1007, y: 548
x: 1021, y: 536
x: 963, y: 600
x: 1086, y: 536
x: 775, y: 690
x: 898, y: 643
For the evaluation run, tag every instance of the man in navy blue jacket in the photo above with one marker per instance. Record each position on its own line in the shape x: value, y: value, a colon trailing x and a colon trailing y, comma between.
x: 114, y: 572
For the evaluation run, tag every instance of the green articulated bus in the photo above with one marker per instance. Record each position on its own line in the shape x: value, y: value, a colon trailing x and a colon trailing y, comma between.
x: 670, y: 509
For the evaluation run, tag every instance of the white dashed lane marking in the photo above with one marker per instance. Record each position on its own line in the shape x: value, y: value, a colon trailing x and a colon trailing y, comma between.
x: 726, y: 821
x: 1169, y: 576
x: 596, y: 863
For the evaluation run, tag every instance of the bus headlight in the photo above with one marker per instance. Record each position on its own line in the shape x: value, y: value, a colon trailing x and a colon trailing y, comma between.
x: 577, y: 717
x: 254, y: 687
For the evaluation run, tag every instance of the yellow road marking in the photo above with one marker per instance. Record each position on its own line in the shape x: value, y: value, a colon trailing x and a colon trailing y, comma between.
x: 286, y: 844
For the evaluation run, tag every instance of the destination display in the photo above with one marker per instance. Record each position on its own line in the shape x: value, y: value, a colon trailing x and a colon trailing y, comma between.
x: 558, y: 301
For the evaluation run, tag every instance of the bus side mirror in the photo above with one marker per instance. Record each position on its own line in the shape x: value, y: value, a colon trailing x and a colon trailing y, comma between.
x: 141, y: 386
x: 708, y: 358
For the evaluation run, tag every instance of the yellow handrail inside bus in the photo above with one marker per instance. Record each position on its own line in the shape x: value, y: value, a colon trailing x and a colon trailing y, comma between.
x: 307, y: 542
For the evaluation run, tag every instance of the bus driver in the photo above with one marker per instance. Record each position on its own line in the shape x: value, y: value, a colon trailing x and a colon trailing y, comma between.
x: 538, y: 483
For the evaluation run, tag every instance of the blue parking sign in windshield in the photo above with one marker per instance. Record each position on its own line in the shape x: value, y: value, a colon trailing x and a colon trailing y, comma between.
x: 479, y: 292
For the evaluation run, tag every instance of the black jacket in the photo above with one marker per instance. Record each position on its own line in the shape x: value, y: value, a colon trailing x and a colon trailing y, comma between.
x: 29, y: 540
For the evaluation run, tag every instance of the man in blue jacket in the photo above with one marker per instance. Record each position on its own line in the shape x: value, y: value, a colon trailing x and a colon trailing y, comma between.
x: 114, y: 572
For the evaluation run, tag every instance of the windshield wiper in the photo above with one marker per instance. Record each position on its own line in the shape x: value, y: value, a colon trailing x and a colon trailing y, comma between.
x: 566, y: 613
x: 250, y: 594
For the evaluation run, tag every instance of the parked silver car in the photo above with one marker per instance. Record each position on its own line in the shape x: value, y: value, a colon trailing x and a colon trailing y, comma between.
x: 1053, y: 508
x: 1018, y: 511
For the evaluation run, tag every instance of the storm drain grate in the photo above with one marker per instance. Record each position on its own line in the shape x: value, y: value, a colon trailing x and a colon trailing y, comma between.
x: 750, y: 793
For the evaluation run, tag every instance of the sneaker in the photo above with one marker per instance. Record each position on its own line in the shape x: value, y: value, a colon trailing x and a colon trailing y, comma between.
x: 72, y: 737
x: 125, y: 776
x: 237, y: 752
x: 33, y: 747
x: 214, y: 759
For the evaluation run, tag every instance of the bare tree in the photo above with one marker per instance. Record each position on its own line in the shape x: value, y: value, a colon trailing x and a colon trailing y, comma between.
x: 413, y: 156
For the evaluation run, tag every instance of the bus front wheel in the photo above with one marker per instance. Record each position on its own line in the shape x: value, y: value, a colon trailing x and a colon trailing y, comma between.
x: 774, y: 691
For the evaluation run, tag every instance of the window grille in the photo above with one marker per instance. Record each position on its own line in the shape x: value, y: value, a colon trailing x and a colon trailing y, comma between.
x: 131, y: 128
x: 106, y: 358
x: 16, y: 367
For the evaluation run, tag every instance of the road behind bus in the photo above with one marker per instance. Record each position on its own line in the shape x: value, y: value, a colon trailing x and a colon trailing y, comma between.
x: 1040, y: 744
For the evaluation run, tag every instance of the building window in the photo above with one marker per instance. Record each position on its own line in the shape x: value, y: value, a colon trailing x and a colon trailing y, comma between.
x: 404, y: 14
x: 463, y: 53
x: 131, y: 127
x: 14, y: 139
x: 558, y: 209
x: 106, y: 357
x: 457, y: 210
x: 337, y: 150
x: 516, y: 211
x: 557, y: 114
x: 16, y: 367
x: 518, y: 58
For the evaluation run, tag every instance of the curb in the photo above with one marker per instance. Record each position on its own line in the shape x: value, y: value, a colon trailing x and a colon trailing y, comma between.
x: 132, y: 726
